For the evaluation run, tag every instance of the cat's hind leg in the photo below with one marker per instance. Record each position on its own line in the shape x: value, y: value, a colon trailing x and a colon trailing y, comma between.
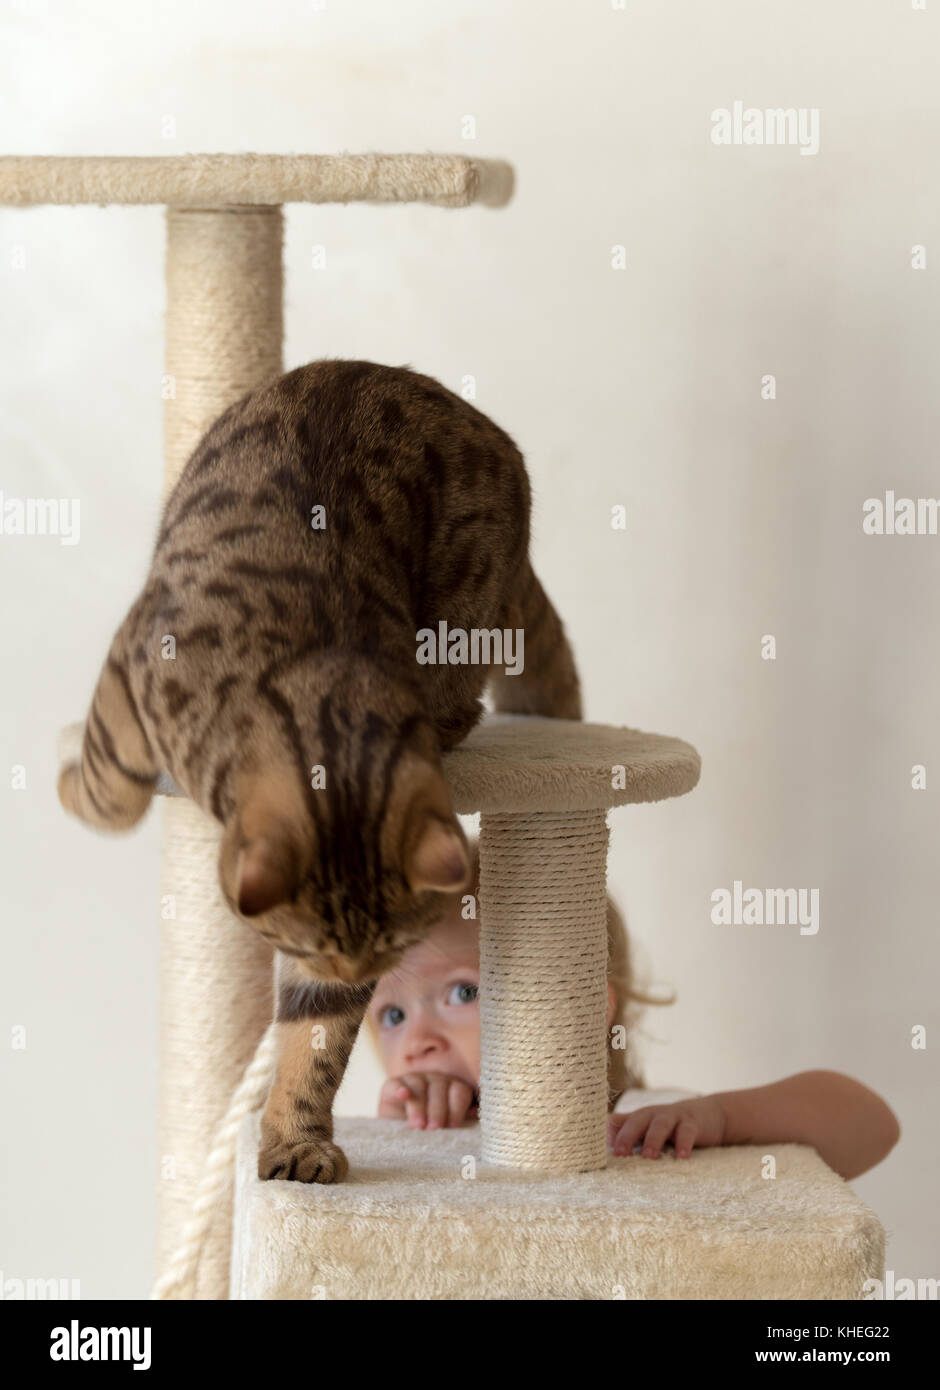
x: 548, y: 682
x: 111, y: 785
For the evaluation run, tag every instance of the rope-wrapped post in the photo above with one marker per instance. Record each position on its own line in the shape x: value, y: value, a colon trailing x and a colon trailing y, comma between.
x: 543, y: 990
x: 223, y: 337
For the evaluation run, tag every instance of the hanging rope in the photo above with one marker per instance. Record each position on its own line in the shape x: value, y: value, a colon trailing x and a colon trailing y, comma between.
x: 180, y: 1279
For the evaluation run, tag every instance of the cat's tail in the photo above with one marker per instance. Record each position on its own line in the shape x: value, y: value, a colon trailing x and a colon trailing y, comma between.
x: 546, y: 682
x: 110, y: 787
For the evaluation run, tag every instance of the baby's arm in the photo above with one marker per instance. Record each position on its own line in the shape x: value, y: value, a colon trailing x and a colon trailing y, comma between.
x: 850, y: 1127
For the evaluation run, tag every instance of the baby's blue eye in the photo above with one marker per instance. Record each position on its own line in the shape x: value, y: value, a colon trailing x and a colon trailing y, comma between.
x: 391, y: 1016
x: 463, y: 994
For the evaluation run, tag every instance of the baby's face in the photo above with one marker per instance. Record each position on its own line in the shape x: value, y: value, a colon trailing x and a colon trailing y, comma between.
x: 425, y: 1012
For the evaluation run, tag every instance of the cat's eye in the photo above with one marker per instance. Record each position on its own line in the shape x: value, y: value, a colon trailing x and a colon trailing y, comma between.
x: 463, y: 994
x: 391, y: 1016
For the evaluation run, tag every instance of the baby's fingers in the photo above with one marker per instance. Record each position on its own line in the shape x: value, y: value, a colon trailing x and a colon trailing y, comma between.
x: 437, y: 1102
x: 685, y: 1137
x: 661, y: 1126
x: 416, y: 1106
x: 460, y: 1096
x: 392, y: 1097
x: 625, y: 1136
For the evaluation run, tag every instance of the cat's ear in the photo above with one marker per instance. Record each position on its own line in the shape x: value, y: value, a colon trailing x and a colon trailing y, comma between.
x: 434, y: 855
x: 266, y: 875
x: 263, y: 848
x: 437, y: 859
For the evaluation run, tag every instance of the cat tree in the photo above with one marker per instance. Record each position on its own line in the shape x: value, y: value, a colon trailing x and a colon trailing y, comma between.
x: 531, y: 1205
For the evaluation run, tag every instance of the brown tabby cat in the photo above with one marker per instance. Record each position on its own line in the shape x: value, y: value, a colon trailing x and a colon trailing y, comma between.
x: 295, y: 711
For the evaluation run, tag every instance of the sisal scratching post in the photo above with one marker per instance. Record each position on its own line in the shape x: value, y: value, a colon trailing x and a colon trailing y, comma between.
x: 208, y: 1029
x: 224, y: 316
x: 223, y: 337
x: 543, y: 990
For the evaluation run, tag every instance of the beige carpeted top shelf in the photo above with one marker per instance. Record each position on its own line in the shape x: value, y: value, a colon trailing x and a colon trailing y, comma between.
x: 197, y: 180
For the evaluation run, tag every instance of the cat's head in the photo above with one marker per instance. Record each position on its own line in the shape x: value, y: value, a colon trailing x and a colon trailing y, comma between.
x: 344, y: 878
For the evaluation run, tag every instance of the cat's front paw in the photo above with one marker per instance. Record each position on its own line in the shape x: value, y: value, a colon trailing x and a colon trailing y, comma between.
x: 312, y: 1160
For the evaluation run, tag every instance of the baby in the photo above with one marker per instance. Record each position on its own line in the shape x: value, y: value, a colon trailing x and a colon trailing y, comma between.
x: 425, y: 1020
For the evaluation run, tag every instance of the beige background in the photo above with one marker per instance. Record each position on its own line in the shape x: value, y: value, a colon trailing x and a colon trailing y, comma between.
x: 639, y: 386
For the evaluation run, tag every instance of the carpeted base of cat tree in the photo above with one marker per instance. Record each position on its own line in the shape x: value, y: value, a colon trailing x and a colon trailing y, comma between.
x: 413, y: 1222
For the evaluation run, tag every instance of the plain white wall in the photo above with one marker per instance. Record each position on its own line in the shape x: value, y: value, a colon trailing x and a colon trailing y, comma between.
x: 638, y: 386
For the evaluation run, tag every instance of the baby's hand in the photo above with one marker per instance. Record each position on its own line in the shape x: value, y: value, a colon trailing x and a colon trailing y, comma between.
x: 428, y: 1100
x: 688, y: 1122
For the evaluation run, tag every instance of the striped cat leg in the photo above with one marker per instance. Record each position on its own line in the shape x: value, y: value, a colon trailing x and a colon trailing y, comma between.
x: 111, y: 786
x: 548, y: 683
x: 318, y: 1024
